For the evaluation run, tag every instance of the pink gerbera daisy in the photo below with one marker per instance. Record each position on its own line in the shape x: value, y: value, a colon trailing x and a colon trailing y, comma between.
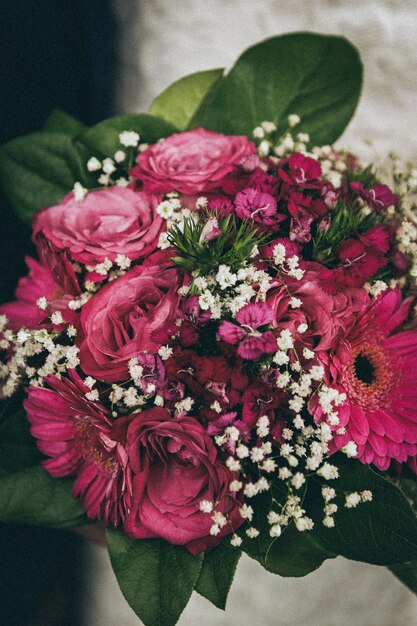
x: 76, y: 433
x: 376, y: 368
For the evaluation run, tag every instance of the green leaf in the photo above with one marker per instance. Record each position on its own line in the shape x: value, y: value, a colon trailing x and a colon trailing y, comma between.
x: 294, y: 553
x: 155, y: 577
x: 31, y: 496
x: 38, y: 170
x: 383, y: 531
x: 317, y: 77
x: 103, y: 138
x: 17, y: 447
x: 61, y: 122
x: 217, y: 574
x: 180, y: 101
x: 406, y: 573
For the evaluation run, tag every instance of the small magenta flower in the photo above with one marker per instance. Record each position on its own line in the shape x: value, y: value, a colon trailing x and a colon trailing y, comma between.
x: 210, y: 230
x: 253, y: 343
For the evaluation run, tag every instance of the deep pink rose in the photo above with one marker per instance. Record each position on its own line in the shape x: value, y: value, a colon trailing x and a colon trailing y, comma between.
x: 104, y: 224
x: 175, y: 466
x: 325, y: 314
x: 191, y: 162
x: 118, y: 322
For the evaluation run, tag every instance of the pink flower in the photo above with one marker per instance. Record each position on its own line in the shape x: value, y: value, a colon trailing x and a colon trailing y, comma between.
x: 107, y: 223
x: 253, y: 343
x: 119, y: 321
x: 175, y: 467
x: 252, y: 204
x: 301, y: 171
x: 76, y: 434
x: 377, y: 197
x: 191, y: 162
x: 325, y: 314
x: 38, y: 284
x: 376, y: 368
x: 210, y: 230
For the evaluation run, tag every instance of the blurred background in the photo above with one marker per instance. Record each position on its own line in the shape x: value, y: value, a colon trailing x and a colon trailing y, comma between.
x: 97, y: 58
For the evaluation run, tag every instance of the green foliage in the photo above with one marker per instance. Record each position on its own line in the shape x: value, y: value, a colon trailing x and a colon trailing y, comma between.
x: 217, y: 574
x: 294, y: 553
x: 233, y: 247
x: 28, y: 495
x: 102, y: 140
x: 155, y: 577
x: 383, y: 531
x: 345, y: 221
x: 38, y: 170
x: 180, y: 101
x: 317, y: 77
x: 61, y: 122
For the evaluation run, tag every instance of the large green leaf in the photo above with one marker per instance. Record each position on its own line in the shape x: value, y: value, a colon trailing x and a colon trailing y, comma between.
x: 317, y: 77
x: 103, y: 138
x: 383, y: 531
x: 407, y: 572
x: 61, y: 122
x: 294, y: 553
x: 17, y: 447
x: 31, y: 496
x: 28, y: 495
x: 217, y: 574
x: 38, y: 170
x: 155, y: 577
x: 180, y: 101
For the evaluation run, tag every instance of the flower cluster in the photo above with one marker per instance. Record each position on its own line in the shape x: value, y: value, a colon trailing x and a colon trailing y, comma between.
x: 213, y: 323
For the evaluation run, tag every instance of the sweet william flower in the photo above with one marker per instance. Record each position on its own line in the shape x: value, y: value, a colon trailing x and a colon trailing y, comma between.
x: 377, y: 197
x: 253, y: 343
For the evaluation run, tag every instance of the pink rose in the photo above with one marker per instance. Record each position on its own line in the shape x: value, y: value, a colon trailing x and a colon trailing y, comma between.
x: 105, y: 224
x: 118, y: 322
x: 175, y: 466
x: 191, y: 162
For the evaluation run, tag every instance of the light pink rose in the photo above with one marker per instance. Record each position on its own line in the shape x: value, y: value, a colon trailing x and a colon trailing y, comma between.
x: 191, y: 162
x: 106, y: 223
x: 325, y: 314
x: 175, y: 466
x: 119, y: 320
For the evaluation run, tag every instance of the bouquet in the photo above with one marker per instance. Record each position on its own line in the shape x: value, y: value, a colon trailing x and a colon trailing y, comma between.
x: 216, y: 348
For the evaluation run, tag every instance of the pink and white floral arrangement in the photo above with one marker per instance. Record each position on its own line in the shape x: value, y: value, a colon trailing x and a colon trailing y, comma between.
x: 218, y: 345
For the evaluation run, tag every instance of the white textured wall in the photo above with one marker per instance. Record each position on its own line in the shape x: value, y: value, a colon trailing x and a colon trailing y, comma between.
x: 163, y: 40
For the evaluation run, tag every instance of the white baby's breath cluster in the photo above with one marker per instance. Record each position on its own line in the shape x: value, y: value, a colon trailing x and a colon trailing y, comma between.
x: 43, y: 347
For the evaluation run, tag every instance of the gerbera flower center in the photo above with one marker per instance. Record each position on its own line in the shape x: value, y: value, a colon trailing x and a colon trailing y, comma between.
x: 92, y: 447
x: 370, y: 375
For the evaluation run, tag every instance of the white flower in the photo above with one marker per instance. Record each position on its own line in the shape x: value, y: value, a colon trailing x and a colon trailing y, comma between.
x: 252, y: 532
x: 236, y: 541
x: 129, y: 139
x: 79, y: 192
x: 93, y: 164
x: 206, y: 506
x: 119, y: 156
x: 293, y: 119
x: 352, y: 500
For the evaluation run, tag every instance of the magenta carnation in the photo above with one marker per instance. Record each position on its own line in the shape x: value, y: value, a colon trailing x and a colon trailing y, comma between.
x: 376, y: 368
x: 253, y: 343
x: 76, y: 434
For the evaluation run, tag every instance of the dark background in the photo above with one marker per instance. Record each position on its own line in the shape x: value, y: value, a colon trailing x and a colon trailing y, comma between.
x: 54, y: 54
